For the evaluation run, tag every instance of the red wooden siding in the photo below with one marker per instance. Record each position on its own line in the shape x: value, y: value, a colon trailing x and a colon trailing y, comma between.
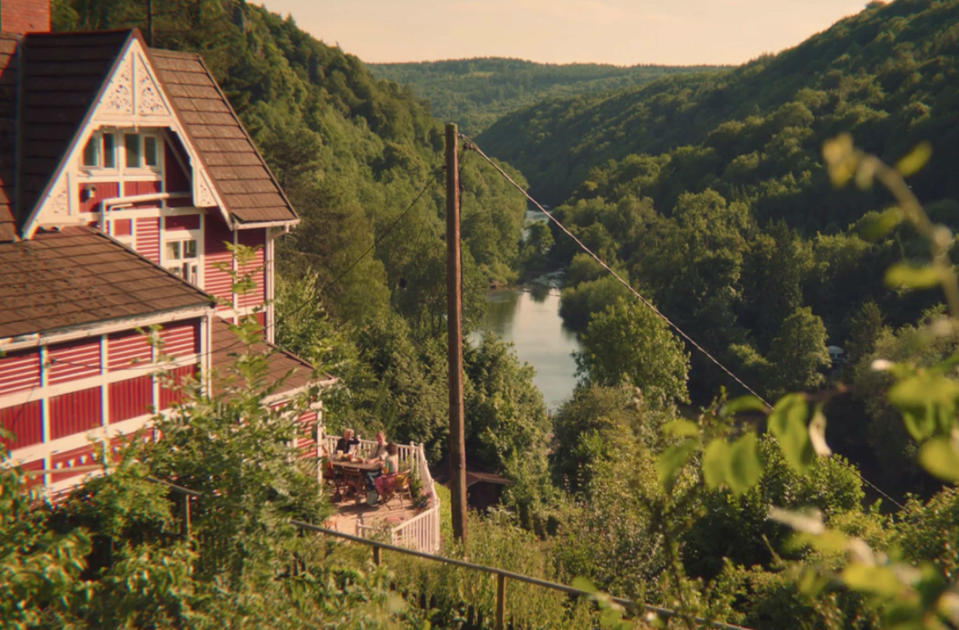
x: 131, y: 398
x: 306, y: 435
x: 25, y: 421
x: 70, y: 361
x: 75, y: 412
x: 182, y: 222
x: 19, y: 371
x: 176, y: 179
x: 82, y: 456
x: 216, y: 281
x: 142, y: 188
x: 127, y: 350
x: 181, y: 339
x: 255, y: 268
x: 148, y: 238
x: 97, y: 192
x: 34, y: 466
x: 173, y: 394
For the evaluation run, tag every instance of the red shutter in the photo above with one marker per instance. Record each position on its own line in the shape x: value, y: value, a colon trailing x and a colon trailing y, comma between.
x: 216, y: 258
x: 148, y: 238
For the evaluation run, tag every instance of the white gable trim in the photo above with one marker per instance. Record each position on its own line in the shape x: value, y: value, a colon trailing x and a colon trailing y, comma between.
x: 131, y: 96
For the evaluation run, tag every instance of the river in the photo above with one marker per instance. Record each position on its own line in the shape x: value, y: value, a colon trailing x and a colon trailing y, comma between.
x: 531, y: 322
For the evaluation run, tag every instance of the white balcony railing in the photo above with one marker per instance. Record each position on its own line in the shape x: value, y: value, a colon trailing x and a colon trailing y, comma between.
x: 420, y: 532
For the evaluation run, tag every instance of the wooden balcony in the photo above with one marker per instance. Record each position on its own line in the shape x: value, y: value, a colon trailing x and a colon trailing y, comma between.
x: 402, y: 520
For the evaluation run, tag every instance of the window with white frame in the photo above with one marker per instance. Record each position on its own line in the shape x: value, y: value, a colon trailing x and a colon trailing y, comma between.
x: 180, y: 251
x: 111, y: 149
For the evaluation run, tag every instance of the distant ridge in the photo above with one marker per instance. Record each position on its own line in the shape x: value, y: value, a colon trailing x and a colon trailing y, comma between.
x: 475, y: 92
x: 889, y: 75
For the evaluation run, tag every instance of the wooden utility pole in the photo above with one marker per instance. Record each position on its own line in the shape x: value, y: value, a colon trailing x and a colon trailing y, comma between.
x: 454, y: 327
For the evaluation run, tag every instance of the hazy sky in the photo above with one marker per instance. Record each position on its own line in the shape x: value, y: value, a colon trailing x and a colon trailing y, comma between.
x: 623, y: 32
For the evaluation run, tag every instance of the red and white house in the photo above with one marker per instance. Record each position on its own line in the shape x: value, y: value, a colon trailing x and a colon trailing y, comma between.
x: 124, y: 175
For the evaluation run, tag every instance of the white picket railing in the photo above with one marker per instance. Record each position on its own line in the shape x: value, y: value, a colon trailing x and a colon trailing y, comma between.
x: 421, y: 532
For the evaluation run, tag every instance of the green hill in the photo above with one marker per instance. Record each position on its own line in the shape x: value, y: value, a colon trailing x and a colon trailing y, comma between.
x: 474, y: 93
x: 887, y: 75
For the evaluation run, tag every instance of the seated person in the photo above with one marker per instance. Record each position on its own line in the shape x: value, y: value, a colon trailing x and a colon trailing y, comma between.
x: 391, y: 465
x: 379, y: 451
x: 379, y: 454
x: 346, y: 443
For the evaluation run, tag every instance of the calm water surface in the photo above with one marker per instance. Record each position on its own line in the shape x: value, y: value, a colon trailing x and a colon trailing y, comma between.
x: 532, y: 324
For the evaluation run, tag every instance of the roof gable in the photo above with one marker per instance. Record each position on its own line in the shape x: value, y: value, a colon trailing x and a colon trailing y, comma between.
x: 60, y: 76
x: 129, y: 94
x: 72, y: 84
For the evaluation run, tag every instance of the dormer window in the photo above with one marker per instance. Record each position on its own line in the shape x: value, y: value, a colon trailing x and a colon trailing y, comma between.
x: 139, y: 151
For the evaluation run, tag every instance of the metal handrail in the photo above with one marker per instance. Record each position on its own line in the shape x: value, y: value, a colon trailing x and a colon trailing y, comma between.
x: 501, y: 574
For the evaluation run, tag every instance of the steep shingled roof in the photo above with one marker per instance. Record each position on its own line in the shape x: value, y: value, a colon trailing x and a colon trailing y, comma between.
x: 78, y: 276
x: 239, y: 173
x: 61, y: 75
x: 8, y: 119
x: 281, y: 365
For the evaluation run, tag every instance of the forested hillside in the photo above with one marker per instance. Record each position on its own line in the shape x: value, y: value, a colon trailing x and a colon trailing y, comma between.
x: 887, y: 75
x: 711, y: 195
x: 474, y: 93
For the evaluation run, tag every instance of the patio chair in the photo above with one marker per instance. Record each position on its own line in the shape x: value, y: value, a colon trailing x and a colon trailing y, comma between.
x: 392, y: 486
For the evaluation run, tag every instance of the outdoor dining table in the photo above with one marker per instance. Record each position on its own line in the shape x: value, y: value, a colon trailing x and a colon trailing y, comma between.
x: 349, y: 477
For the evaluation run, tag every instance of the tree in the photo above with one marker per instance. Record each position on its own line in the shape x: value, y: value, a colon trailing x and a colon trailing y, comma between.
x: 628, y: 343
x: 799, y: 351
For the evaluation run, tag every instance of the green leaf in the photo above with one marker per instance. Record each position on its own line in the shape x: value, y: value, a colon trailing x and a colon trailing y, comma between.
x: 788, y: 423
x: 681, y: 428
x: 869, y: 579
x: 927, y: 402
x: 916, y: 159
x: 672, y: 459
x: 875, y: 226
x: 940, y: 457
x: 912, y: 277
x: 743, y: 403
x: 715, y: 462
x: 744, y: 470
x: 817, y: 433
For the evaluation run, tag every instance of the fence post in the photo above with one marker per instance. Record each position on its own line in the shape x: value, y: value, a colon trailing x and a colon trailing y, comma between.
x: 500, y: 600
x: 186, y: 515
x: 376, y: 555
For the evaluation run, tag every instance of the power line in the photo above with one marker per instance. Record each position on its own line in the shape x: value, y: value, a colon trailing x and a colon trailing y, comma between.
x: 472, y: 145
x: 468, y: 143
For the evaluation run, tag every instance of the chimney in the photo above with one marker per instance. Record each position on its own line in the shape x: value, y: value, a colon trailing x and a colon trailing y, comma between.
x: 25, y: 16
